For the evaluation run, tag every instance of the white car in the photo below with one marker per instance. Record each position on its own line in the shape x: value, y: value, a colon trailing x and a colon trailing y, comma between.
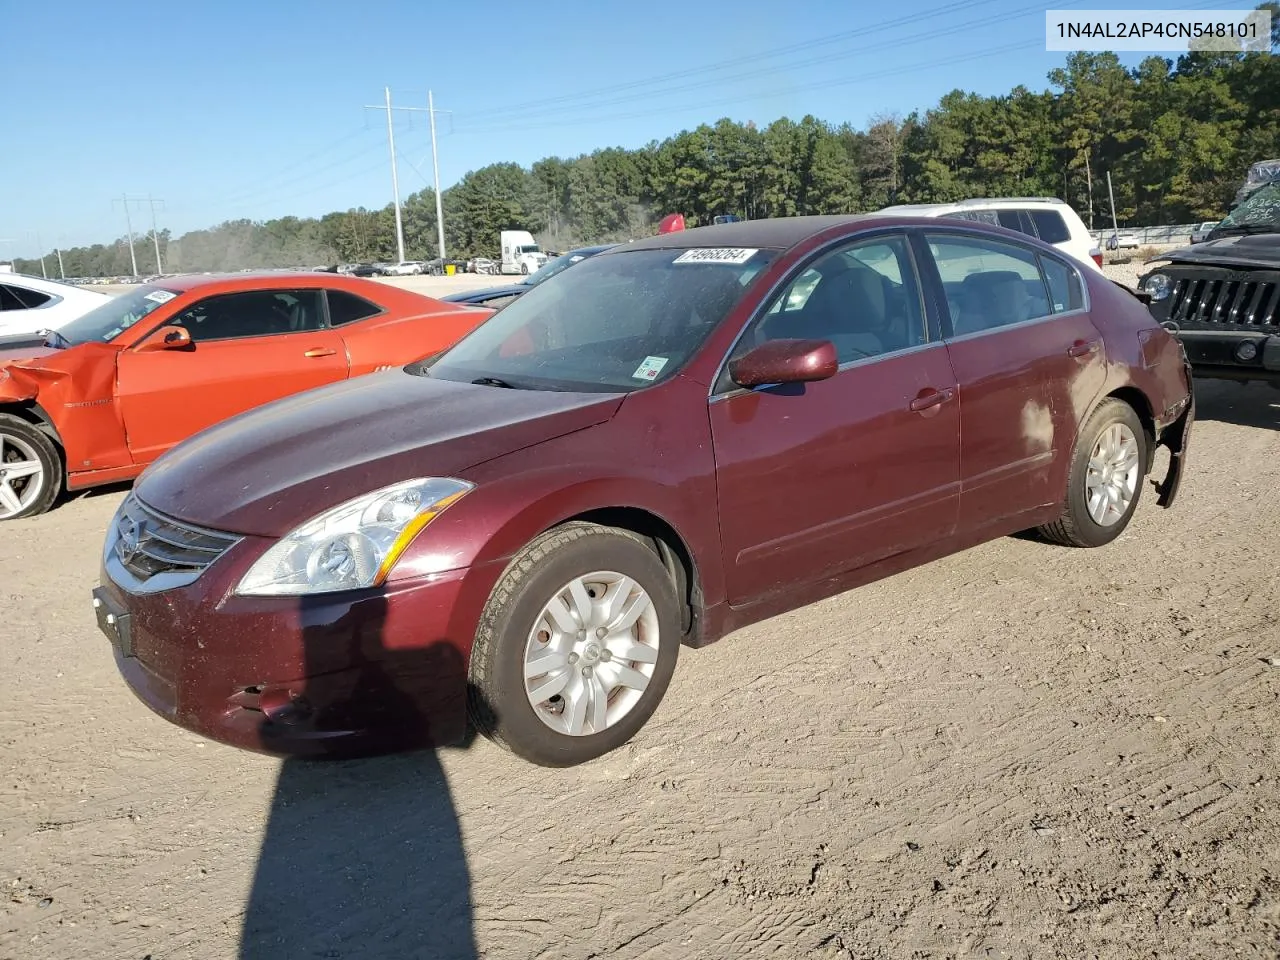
x: 1048, y: 218
x: 29, y: 305
x: 405, y: 268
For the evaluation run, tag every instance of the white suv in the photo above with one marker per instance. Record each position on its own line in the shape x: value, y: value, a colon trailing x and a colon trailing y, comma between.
x: 1048, y: 218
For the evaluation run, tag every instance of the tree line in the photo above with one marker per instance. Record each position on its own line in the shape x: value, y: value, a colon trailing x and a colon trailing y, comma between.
x: 1176, y: 137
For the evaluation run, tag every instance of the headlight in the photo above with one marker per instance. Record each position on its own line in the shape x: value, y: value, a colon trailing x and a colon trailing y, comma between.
x: 1158, y: 286
x: 353, y: 545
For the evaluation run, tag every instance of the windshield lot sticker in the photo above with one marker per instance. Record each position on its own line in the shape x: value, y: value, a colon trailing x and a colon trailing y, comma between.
x: 650, y: 368
x: 733, y: 255
x: 160, y: 296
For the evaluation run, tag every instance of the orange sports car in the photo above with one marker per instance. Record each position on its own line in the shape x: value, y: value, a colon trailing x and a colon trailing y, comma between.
x: 99, y: 399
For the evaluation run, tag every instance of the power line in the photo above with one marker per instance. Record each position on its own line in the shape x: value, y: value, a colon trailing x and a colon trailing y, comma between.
x: 543, y: 108
x: 648, y: 82
x: 430, y: 109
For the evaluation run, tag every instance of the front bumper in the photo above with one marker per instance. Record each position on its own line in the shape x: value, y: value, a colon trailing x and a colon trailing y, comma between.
x: 338, y: 675
x: 1232, y: 355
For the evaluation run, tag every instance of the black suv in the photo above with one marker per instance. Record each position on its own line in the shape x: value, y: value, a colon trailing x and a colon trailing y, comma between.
x: 1222, y: 297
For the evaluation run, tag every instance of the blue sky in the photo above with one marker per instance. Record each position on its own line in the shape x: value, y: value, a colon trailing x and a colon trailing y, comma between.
x: 237, y: 109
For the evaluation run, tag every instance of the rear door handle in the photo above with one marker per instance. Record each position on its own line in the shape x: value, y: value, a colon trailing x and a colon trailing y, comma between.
x: 1082, y: 348
x: 320, y: 352
x: 931, y: 399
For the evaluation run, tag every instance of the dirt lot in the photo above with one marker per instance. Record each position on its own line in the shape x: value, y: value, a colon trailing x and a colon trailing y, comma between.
x: 1019, y: 751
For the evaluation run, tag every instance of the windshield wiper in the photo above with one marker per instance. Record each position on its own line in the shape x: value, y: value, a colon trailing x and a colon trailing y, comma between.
x: 495, y: 382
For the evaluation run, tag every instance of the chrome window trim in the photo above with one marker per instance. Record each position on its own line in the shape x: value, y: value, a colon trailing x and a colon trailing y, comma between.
x: 795, y: 273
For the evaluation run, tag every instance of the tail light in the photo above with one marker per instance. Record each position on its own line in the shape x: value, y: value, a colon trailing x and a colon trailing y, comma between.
x: 1096, y: 254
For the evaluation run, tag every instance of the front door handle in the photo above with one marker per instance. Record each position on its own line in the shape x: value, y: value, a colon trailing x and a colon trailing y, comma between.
x: 1082, y: 348
x: 320, y: 352
x: 930, y: 399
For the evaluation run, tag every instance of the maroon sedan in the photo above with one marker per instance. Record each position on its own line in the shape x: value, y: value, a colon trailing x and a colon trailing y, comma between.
x: 678, y: 437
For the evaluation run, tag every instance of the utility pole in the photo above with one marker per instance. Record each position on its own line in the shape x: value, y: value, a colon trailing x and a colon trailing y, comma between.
x: 155, y: 234
x: 40, y: 246
x: 62, y: 271
x: 435, y: 163
x: 395, y: 181
x: 155, y: 237
x: 1115, y: 228
x: 128, y: 222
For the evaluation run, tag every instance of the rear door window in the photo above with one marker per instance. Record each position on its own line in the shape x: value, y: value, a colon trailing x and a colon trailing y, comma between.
x: 1064, y: 285
x: 347, y: 308
x: 18, y: 298
x: 989, y: 283
x: 1050, y: 226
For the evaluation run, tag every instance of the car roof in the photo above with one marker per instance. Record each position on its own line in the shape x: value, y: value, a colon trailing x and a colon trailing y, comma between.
x: 45, y: 285
x: 778, y: 233
x: 1044, y: 202
x: 257, y: 278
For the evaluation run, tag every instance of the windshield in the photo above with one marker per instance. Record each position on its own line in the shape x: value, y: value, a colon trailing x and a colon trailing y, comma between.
x: 617, y: 322
x: 103, y: 324
x: 528, y: 248
x: 1261, y: 212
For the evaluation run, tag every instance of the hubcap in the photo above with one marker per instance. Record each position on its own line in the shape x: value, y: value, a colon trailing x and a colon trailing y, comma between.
x: 1112, y: 478
x: 21, y: 475
x: 591, y: 653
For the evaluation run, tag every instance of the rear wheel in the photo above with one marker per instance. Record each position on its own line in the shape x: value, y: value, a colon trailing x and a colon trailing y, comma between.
x: 1105, y: 479
x: 30, y: 469
x: 576, y: 645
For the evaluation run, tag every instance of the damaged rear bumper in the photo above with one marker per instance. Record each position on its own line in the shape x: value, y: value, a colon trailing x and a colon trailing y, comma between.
x: 1176, y: 437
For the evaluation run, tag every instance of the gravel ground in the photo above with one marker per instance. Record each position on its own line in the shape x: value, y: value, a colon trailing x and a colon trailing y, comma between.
x: 1019, y: 751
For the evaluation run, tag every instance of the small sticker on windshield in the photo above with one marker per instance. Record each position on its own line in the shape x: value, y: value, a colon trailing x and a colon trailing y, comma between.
x: 650, y: 368
x: 734, y: 255
x: 160, y: 296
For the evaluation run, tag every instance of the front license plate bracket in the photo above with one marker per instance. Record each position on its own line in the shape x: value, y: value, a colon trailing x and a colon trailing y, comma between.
x: 114, y: 622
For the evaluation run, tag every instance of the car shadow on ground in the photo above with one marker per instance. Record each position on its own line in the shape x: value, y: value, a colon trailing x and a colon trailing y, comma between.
x: 1252, y: 404
x: 363, y: 858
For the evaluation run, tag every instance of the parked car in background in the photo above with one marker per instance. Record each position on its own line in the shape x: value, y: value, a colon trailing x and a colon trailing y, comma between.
x: 31, y: 304
x: 662, y: 444
x: 1046, y: 218
x: 1201, y: 233
x: 106, y: 394
x: 1123, y: 241
x: 1222, y: 296
x: 405, y: 268
x: 497, y: 297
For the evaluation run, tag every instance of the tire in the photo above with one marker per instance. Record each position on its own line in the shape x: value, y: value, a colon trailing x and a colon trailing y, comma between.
x: 516, y: 628
x: 22, y: 445
x: 524, y: 269
x: 1078, y: 525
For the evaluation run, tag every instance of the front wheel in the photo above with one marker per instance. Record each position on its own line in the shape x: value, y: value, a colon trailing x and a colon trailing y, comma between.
x: 1104, y: 483
x: 576, y: 645
x: 30, y: 469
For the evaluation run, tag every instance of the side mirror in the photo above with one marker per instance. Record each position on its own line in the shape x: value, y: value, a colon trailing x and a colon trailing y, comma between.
x: 785, y: 361
x: 167, y: 338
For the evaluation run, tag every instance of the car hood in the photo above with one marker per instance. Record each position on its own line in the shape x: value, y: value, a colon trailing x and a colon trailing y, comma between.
x: 1255, y: 250
x: 23, y: 346
x: 267, y: 471
x: 488, y: 293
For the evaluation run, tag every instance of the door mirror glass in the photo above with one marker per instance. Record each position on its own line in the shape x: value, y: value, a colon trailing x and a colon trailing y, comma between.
x: 166, y: 338
x: 785, y: 361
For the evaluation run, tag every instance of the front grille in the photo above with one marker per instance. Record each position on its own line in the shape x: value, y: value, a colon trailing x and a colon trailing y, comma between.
x: 148, y: 543
x: 1225, y: 302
